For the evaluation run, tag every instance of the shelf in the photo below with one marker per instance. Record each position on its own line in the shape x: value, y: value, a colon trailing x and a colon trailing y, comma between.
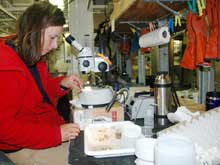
x: 141, y: 10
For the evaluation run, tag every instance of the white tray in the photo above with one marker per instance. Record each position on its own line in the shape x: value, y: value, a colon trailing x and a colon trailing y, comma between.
x: 104, y: 139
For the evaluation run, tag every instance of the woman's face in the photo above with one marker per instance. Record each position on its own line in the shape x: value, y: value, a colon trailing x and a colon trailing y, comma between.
x: 49, y: 39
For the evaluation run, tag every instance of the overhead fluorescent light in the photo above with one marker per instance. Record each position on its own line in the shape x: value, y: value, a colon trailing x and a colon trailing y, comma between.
x: 59, y: 3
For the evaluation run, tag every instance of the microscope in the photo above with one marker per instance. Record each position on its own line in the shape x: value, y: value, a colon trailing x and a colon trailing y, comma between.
x: 91, y: 96
x: 86, y: 60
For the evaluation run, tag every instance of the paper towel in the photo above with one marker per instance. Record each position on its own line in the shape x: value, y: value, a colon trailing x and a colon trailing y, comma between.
x: 157, y: 37
x: 181, y: 114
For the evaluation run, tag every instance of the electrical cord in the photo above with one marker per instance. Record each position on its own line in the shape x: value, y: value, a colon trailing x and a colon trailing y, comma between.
x: 115, y: 98
x: 123, y: 92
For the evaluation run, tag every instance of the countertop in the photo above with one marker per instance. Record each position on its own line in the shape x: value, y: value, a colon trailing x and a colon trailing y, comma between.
x: 76, y: 148
x: 77, y: 156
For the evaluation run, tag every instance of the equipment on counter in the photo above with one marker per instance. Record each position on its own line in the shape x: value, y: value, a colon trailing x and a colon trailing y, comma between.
x: 120, y: 96
x: 140, y: 99
x: 87, y: 61
x: 90, y: 106
x: 138, y: 105
x: 91, y: 97
x: 85, y: 116
x: 163, y: 97
x: 92, y: 103
x: 95, y: 96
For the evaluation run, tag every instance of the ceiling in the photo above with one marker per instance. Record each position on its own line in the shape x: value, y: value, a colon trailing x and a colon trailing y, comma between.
x: 141, y: 10
x: 11, y: 9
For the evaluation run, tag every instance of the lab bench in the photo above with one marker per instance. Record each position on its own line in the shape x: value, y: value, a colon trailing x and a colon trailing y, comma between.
x: 77, y: 156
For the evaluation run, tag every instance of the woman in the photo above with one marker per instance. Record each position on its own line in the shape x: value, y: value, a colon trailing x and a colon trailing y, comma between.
x: 29, y: 121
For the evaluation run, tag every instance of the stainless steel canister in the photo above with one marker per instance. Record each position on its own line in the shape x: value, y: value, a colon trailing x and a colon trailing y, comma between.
x: 162, y: 96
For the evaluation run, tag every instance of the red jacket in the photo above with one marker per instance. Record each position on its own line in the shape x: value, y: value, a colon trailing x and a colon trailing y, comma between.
x: 25, y: 120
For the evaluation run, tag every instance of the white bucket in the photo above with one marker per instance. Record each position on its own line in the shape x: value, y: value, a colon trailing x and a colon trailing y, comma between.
x: 144, y: 149
x: 174, y: 149
x: 130, y: 134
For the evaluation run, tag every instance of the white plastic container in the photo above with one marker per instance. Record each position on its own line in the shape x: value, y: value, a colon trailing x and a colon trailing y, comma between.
x: 130, y: 134
x: 149, y: 118
x: 144, y: 149
x: 147, y: 129
x: 172, y: 149
x: 108, y: 139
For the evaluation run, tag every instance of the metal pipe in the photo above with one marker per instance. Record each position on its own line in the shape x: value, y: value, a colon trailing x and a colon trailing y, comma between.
x: 178, y: 33
x: 166, y: 0
x: 134, y: 26
x: 167, y: 8
x: 89, y: 4
x: 131, y: 22
x: 7, y: 12
x: 146, y: 22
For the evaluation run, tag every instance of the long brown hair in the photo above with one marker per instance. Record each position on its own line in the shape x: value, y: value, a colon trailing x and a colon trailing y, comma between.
x: 30, y: 26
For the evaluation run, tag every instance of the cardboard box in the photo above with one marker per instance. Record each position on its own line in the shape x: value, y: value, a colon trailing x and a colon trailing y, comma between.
x: 87, y: 116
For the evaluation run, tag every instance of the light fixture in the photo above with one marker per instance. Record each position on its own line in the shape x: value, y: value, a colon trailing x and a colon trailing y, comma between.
x: 59, y: 3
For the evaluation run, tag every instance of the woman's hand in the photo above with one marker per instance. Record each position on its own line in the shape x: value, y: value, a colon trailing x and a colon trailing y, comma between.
x: 69, y: 131
x: 72, y: 82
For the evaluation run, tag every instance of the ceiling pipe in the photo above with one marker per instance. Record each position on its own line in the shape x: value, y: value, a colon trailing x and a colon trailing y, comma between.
x: 7, y: 12
x: 167, y: 0
x: 167, y: 8
x: 89, y: 4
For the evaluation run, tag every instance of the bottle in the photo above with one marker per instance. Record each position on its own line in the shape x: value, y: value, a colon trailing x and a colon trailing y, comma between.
x: 162, y: 97
x: 147, y: 129
x: 149, y: 118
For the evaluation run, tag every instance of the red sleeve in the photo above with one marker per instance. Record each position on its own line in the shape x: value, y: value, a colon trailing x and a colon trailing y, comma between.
x: 17, y: 130
x: 54, y: 86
